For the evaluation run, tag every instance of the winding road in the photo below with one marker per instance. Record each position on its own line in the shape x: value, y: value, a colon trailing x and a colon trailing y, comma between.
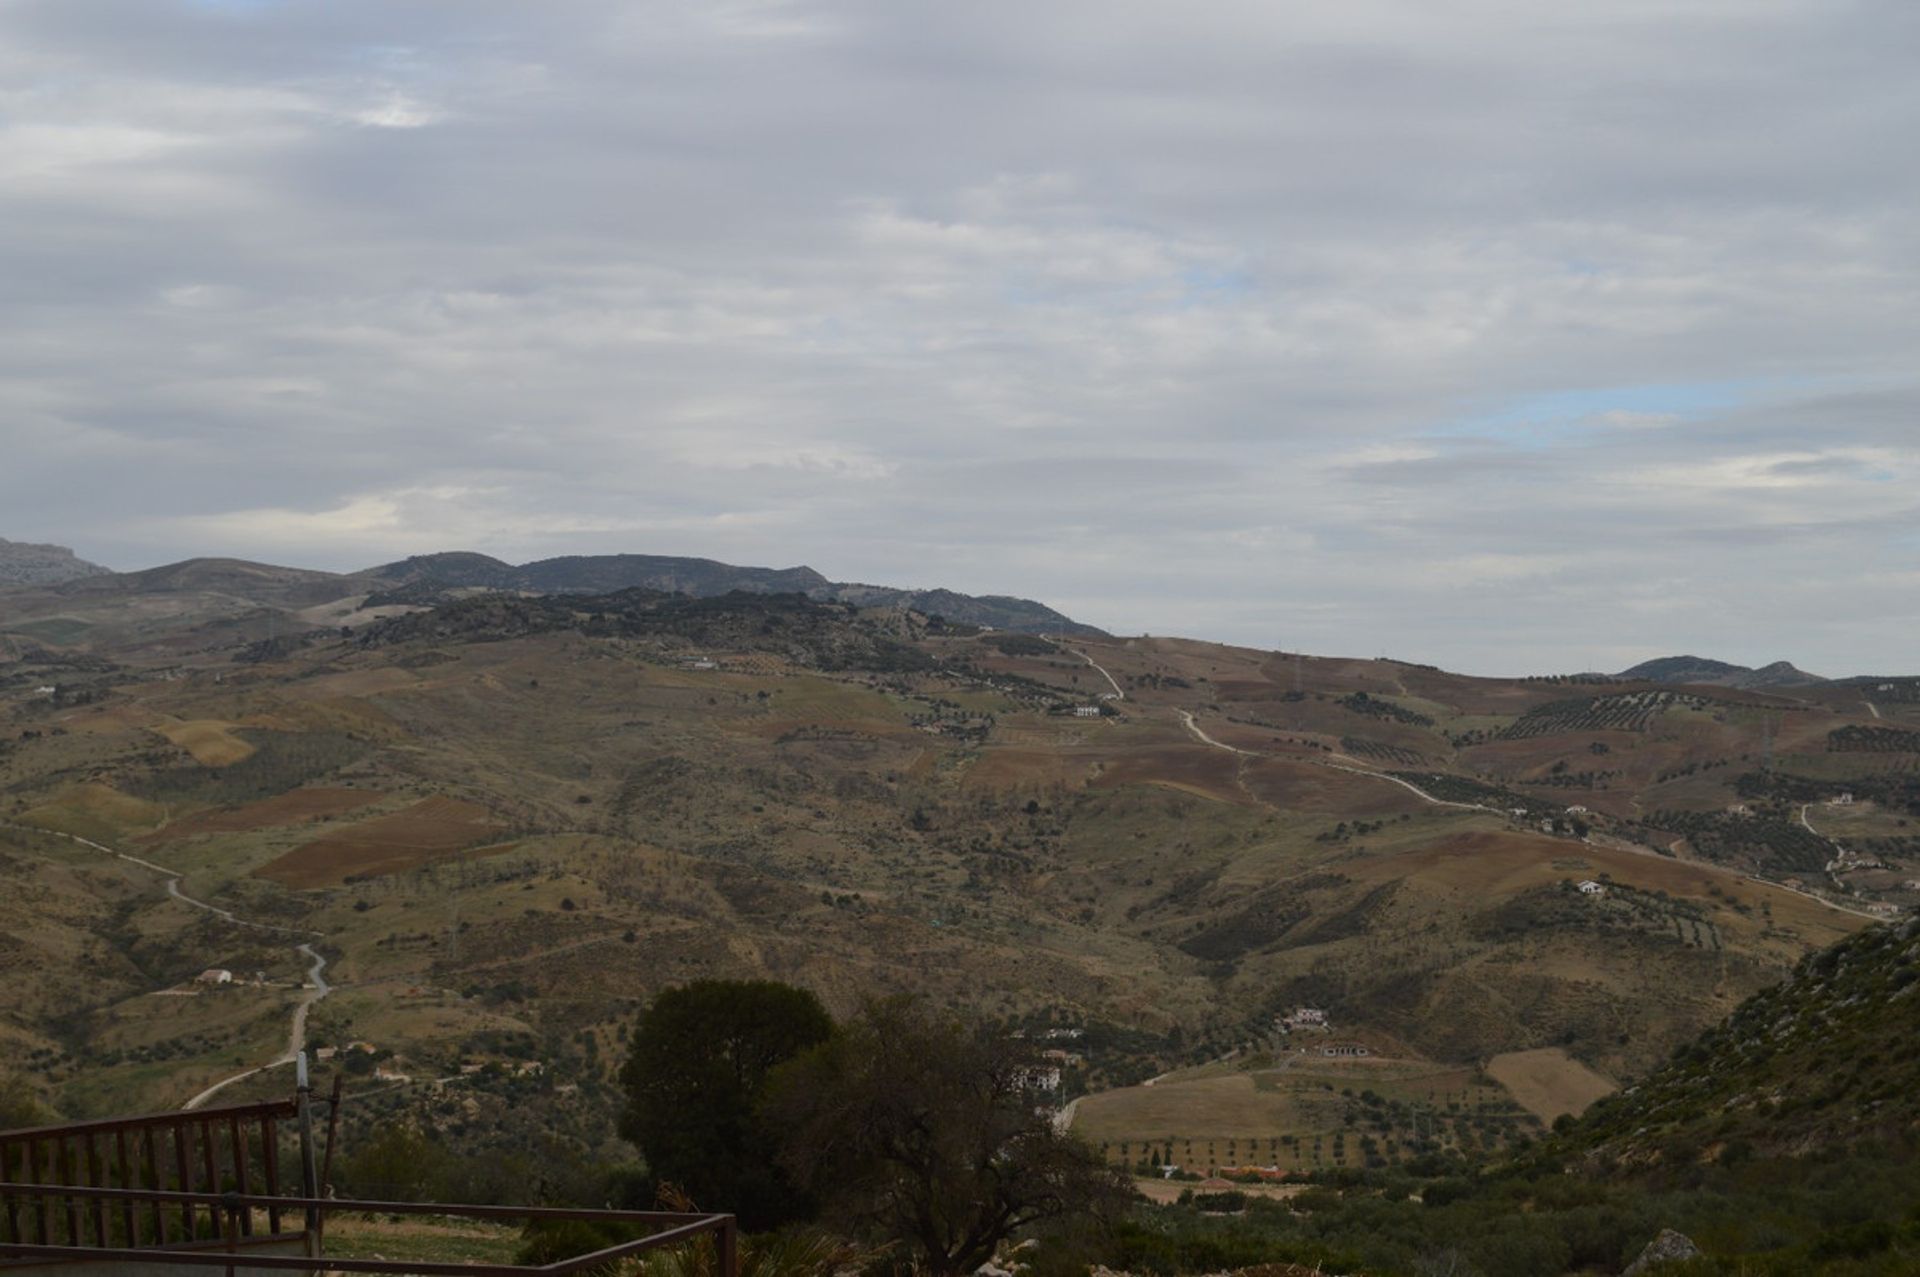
x: 1200, y: 734
x: 1118, y: 694
x: 316, y: 986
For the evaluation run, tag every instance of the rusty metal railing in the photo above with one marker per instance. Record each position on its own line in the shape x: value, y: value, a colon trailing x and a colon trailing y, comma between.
x: 144, y: 1160
x: 232, y: 1210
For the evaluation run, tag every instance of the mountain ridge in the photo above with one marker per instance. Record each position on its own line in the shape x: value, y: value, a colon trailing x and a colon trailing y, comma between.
x: 1700, y: 671
x: 428, y: 578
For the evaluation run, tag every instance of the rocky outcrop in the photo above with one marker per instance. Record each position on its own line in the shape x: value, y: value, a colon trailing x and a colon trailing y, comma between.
x: 24, y: 563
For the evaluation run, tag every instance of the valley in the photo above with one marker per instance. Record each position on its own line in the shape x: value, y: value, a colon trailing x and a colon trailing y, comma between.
x: 509, y: 819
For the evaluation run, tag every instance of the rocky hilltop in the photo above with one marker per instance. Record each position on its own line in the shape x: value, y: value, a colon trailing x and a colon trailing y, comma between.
x: 25, y: 563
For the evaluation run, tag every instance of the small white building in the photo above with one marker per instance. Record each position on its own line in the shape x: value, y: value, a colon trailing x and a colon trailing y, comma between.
x: 1042, y: 1079
x: 1591, y: 888
x: 214, y: 975
x: 1843, y: 799
x: 1576, y: 810
x: 1086, y: 711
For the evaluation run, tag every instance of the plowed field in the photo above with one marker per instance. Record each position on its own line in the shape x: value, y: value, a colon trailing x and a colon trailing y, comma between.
x: 429, y: 830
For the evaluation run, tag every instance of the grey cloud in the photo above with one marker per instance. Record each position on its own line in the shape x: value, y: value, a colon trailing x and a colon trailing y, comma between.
x: 1152, y: 312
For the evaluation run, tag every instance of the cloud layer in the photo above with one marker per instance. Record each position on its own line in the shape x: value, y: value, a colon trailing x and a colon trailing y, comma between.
x: 1514, y: 337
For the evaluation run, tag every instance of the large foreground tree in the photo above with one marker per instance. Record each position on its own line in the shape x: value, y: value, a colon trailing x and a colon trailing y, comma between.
x: 701, y: 1055
x: 916, y: 1127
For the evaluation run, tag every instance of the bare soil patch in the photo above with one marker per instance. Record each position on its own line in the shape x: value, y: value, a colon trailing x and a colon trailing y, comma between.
x: 431, y: 829
x: 1194, y: 769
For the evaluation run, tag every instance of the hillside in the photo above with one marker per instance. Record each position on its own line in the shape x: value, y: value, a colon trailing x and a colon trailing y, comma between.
x: 170, y: 611
x: 430, y: 578
x: 513, y: 818
x: 1778, y: 1143
x: 23, y: 563
x: 1825, y: 1060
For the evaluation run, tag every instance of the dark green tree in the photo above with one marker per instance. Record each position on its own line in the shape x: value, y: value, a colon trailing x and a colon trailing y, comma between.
x: 915, y: 1127
x: 701, y: 1056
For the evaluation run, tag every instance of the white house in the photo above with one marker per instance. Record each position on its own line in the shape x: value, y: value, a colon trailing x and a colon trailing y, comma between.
x: 214, y: 975
x: 1304, y: 1018
x: 1591, y: 888
x: 1086, y: 711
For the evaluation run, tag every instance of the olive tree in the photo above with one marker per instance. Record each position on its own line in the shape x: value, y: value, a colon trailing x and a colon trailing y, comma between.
x: 914, y: 1127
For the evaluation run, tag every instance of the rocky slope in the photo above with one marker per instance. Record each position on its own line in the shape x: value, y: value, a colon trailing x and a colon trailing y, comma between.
x: 1821, y: 1061
x: 24, y: 563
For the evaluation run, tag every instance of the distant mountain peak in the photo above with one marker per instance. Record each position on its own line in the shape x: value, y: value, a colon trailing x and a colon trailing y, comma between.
x: 1704, y: 671
x: 27, y: 563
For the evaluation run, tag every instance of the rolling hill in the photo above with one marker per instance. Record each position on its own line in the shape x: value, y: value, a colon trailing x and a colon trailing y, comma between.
x: 1709, y: 673
x: 513, y: 817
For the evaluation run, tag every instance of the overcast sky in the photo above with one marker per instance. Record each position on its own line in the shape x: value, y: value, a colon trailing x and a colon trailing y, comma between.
x: 1511, y: 335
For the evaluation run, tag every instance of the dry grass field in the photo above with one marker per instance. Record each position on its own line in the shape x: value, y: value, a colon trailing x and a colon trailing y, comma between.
x: 1547, y: 1082
x: 210, y: 742
x: 1297, y: 1113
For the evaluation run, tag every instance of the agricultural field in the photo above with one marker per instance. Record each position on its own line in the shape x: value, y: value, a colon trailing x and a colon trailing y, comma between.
x: 1549, y: 1083
x: 1299, y: 1113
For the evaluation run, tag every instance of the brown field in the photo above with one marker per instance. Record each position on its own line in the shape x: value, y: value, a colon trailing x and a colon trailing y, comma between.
x: 212, y: 743
x: 1548, y: 1082
x: 1194, y: 769
x: 283, y: 809
x: 1304, y: 786
x: 1023, y: 769
x: 429, y: 830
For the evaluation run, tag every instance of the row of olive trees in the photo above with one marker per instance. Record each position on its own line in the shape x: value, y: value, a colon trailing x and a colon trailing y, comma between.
x: 902, y: 1126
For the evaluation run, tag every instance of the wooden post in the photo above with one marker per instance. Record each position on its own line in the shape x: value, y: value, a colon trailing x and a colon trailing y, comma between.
x: 270, y: 1167
x: 128, y: 1219
x: 309, y: 1173
x: 333, y: 1134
